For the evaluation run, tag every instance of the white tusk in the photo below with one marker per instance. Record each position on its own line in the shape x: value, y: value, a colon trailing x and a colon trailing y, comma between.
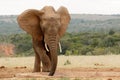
x: 60, y: 47
x: 46, y: 47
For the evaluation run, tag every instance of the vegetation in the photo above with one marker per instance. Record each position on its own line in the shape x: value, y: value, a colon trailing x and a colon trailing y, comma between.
x: 79, y: 23
x: 67, y: 62
x: 91, y: 44
x: 9, y: 25
x: 22, y: 42
x: 87, y: 43
x: 86, y: 35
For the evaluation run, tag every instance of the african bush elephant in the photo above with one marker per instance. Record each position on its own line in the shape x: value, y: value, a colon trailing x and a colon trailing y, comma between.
x: 46, y: 26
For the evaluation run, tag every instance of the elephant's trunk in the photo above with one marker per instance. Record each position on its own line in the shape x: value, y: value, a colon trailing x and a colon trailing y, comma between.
x: 53, y: 45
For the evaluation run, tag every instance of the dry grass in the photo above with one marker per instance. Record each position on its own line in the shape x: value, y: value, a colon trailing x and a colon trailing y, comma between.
x: 90, y: 61
x: 111, y: 61
x: 66, y: 61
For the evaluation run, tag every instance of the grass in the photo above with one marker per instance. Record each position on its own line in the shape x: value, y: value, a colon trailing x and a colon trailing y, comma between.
x: 66, y: 61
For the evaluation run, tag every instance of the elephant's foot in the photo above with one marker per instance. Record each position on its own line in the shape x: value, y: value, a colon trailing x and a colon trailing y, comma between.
x: 37, y: 67
x: 36, y: 70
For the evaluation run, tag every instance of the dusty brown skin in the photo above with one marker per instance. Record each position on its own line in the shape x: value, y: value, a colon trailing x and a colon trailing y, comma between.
x: 46, y: 26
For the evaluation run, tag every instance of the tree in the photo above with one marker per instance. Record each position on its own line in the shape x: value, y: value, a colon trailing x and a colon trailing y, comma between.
x: 22, y: 42
x: 111, y: 32
x: 109, y: 41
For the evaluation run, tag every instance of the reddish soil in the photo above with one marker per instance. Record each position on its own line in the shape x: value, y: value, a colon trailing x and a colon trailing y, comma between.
x: 24, y: 72
x: 7, y: 49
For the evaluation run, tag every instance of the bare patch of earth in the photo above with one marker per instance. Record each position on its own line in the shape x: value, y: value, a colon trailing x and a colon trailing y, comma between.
x: 81, y: 72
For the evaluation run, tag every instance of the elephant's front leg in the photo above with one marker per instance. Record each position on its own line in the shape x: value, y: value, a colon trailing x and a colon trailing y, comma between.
x: 46, y: 63
x: 41, y: 56
x: 37, y: 63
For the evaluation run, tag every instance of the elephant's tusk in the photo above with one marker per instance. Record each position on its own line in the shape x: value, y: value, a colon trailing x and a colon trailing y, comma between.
x: 60, y: 47
x: 46, y: 47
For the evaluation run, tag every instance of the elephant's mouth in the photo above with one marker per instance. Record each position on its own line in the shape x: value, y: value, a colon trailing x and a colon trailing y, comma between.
x: 47, y: 48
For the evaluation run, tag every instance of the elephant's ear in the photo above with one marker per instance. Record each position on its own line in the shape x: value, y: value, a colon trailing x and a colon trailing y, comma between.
x: 29, y: 21
x: 65, y: 19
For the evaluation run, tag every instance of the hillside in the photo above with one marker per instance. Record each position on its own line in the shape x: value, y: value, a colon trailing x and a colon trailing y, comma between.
x: 8, y: 24
x: 94, y: 17
x: 79, y: 23
x: 94, y: 23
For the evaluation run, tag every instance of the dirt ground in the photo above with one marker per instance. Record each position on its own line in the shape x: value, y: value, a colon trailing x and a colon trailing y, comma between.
x: 76, y: 73
x: 69, y: 67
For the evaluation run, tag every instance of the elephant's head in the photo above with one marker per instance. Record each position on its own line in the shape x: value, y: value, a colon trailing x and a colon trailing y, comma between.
x: 47, y: 25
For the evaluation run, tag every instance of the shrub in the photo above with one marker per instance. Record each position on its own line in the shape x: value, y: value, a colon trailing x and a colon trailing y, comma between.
x: 67, y: 62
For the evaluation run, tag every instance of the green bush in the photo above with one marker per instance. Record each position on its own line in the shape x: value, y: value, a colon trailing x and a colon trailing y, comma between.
x: 84, y: 43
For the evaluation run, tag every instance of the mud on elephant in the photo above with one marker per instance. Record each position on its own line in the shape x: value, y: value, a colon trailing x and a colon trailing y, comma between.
x: 46, y: 26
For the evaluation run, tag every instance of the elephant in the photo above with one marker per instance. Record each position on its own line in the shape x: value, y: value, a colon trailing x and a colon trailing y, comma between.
x: 46, y: 27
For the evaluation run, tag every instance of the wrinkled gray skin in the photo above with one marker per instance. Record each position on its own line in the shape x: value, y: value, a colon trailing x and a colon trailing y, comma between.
x: 46, y: 26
